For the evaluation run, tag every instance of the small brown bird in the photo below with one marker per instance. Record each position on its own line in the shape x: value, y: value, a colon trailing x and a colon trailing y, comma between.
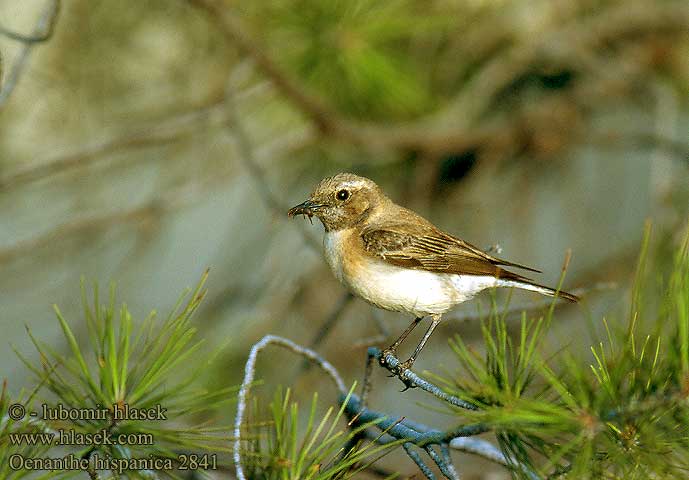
x: 397, y: 260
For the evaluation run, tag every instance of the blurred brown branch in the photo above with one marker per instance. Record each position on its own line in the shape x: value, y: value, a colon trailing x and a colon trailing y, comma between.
x: 248, y: 159
x: 28, y: 248
x: 235, y: 33
x: 167, y: 130
x: 579, y: 42
x: 501, y: 134
x: 620, y: 139
x: 149, y: 211
x: 163, y: 131
x: 43, y: 31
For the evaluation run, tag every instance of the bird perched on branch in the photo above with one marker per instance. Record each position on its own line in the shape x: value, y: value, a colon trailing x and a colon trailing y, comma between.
x: 399, y: 261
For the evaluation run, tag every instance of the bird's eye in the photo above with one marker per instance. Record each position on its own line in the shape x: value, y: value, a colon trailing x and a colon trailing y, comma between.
x: 343, y: 195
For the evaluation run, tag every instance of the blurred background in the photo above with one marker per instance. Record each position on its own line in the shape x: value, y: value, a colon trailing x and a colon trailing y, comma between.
x: 144, y: 141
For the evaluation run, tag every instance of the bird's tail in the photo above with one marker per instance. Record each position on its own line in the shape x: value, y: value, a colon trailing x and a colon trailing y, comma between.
x: 535, y: 287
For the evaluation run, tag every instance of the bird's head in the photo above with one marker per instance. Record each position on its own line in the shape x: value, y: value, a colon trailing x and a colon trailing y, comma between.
x: 340, y: 201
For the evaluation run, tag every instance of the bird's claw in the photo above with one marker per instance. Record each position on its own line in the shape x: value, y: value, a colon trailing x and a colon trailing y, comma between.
x: 408, y: 385
x: 406, y: 365
x: 399, y: 371
x: 402, y: 371
x: 384, y: 354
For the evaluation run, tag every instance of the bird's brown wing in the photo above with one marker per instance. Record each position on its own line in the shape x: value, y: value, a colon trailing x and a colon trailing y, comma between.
x: 422, y: 246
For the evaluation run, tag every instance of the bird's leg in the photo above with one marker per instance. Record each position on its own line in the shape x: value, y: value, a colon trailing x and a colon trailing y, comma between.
x: 410, y: 361
x: 393, y: 348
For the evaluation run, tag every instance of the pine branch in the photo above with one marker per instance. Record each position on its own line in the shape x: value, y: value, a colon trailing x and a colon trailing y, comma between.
x: 411, y: 434
x: 123, y: 370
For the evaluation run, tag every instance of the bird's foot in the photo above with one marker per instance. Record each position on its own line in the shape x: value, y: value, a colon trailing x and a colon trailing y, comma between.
x: 406, y: 365
x: 383, y: 357
x: 402, y: 370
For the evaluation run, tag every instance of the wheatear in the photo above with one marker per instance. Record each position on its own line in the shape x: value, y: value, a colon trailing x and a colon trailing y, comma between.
x: 397, y: 260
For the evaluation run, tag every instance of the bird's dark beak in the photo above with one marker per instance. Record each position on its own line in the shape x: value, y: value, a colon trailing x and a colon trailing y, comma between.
x: 306, y: 208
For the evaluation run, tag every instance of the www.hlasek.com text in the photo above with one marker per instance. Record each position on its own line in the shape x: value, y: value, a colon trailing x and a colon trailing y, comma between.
x: 73, y: 437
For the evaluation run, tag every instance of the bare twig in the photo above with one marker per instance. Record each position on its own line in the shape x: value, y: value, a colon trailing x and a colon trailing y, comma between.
x: 481, y: 448
x: 392, y: 364
x: 150, y: 210
x: 165, y: 131
x: 325, y: 328
x: 444, y: 462
x: 367, y: 383
x: 247, y: 157
x: 44, y: 28
x: 414, y: 455
x: 147, y: 212
x: 420, y: 435
x: 331, y: 320
x: 393, y: 428
x: 82, y: 225
x: 382, y: 336
x: 675, y: 147
x: 236, y: 34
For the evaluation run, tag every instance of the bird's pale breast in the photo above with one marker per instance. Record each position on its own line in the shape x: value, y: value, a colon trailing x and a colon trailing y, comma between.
x: 418, y: 292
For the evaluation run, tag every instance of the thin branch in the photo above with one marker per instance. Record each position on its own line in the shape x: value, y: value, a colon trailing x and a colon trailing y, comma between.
x: 236, y: 34
x: 445, y: 452
x: 326, y: 327
x: 611, y: 139
x: 427, y: 472
x: 444, y: 462
x: 150, y: 210
x: 44, y: 27
x: 424, y: 136
x: 249, y: 375
x: 164, y: 131
x: 392, y: 364
x: 248, y: 158
x: 29, y: 247
x: 481, y: 448
x: 326, y: 120
x: 382, y: 336
x: 331, y: 320
x: 417, y: 434
x: 423, y: 435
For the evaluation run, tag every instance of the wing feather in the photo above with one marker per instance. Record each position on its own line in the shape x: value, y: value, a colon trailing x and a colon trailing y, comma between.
x: 428, y: 248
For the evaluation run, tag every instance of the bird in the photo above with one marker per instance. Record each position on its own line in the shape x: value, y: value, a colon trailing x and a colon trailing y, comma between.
x: 396, y: 260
